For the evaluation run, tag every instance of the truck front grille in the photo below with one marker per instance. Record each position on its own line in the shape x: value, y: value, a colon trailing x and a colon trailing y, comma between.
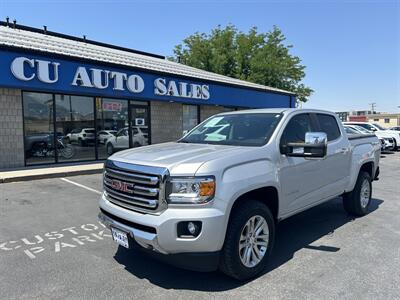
x: 135, y: 187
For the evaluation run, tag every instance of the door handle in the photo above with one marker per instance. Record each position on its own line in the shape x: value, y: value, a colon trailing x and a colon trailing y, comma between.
x: 343, y: 150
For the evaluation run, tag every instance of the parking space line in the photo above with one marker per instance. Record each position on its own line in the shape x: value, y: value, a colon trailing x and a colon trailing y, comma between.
x: 81, y: 185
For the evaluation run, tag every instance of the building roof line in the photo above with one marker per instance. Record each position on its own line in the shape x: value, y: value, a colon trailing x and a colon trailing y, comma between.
x: 78, y: 39
x: 37, y: 40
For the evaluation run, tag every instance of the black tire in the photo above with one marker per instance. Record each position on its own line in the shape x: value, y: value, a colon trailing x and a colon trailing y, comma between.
x: 230, y: 262
x: 110, y: 149
x: 352, y: 202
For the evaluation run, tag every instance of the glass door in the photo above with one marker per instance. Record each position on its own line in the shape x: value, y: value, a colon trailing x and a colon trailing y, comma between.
x: 139, y: 129
x: 112, y: 126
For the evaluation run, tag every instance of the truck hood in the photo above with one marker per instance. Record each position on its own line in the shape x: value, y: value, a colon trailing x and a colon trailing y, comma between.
x: 179, y: 158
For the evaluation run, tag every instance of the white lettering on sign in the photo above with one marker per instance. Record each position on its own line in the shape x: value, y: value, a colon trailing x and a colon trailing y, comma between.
x: 163, y: 87
x: 43, y: 68
x: 26, y: 69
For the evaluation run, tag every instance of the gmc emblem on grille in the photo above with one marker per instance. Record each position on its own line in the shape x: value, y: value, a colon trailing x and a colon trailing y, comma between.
x: 122, y: 186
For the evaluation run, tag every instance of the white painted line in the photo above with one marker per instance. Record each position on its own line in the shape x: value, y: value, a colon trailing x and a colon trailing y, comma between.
x: 82, y: 186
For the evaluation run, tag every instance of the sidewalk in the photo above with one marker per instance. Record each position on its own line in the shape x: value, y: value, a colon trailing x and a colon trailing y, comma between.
x: 59, y: 171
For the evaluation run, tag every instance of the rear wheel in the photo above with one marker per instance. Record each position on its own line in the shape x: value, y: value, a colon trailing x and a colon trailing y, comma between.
x: 357, y: 201
x: 249, y: 240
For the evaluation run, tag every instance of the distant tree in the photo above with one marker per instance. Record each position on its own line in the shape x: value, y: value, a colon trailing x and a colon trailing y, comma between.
x: 262, y: 58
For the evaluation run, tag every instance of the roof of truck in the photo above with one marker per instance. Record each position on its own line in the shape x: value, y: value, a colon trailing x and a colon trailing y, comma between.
x: 277, y: 111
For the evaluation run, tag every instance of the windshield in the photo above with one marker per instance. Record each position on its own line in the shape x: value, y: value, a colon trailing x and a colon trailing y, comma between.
x: 249, y: 129
x: 361, y: 129
x: 350, y: 130
x: 379, y: 126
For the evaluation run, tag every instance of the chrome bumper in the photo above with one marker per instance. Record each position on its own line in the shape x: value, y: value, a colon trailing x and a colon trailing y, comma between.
x: 144, y: 239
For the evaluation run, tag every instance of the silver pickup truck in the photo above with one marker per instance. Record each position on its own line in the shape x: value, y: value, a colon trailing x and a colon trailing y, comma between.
x: 213, y: 198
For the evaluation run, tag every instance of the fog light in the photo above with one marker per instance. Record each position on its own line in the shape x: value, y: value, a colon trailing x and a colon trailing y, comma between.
x: 192, y: 228
x: 189, y: 229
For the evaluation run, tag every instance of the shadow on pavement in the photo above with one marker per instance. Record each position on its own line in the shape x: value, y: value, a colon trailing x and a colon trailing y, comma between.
x: 293, y: 234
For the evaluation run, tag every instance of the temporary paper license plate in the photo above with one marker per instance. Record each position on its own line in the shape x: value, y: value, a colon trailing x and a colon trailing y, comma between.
x: 120, y: 237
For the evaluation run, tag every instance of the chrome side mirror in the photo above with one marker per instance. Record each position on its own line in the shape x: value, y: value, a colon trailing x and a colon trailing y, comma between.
x: 315, y: 145
x: 315, y: 138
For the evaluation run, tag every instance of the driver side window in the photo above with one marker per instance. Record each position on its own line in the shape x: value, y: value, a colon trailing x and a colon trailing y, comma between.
x: 296, y: 129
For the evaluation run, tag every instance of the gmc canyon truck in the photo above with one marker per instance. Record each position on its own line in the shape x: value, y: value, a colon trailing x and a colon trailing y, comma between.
x: 213, y: 198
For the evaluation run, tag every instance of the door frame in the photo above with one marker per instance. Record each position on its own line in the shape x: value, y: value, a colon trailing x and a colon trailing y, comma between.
x: 131, y: 106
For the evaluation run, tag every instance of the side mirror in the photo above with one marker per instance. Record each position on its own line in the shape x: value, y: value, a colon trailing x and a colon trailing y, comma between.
x: 315, y: 145
x: 373, y: 129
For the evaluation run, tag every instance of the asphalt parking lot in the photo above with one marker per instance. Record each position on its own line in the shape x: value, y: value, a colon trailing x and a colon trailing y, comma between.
x: 51, y: 246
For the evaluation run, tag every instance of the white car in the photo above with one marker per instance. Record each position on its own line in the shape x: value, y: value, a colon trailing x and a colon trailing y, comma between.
x: 379, y: 132
x: 354, y: 129
x: 82, y: 136
x: 121, y: 140
x: 104, y: 135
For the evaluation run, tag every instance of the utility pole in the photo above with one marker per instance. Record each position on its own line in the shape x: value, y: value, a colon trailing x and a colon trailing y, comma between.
x: 373, y: 105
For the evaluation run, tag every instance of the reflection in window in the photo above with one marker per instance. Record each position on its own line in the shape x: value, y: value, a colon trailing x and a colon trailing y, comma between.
x: 39, y: 128
x: 75, y: 123
x: 190, y: 117
x: 139, y: 125
x: 112, y: 121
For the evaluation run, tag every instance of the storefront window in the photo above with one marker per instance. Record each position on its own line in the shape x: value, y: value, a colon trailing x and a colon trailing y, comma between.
x: 86, y: 128
x: 190, y: 117
x: 75, y: 127
x: 39, y: 128
x: 112, y: 126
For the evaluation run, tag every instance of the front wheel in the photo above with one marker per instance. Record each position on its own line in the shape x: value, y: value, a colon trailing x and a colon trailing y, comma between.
x: 67, y: 152
x: 357, y: 201
x: 249, y: 240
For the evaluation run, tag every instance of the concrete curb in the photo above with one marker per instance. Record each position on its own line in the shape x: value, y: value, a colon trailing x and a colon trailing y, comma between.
x: 28, y: 177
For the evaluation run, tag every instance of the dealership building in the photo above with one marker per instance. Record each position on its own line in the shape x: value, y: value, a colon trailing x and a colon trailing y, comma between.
x: 65, y: 99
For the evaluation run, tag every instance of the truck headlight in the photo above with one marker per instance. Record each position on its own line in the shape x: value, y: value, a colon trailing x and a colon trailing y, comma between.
x: 190, y: 190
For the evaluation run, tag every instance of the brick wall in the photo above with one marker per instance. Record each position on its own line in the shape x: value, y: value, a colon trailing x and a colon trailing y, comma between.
x: 11, y: 129
x: 166, y: 121
x: 209, y: 110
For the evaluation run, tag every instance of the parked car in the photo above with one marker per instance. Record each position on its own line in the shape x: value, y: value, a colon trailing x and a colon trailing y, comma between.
x: 395, y: 128
x: 104, y: 135
x: 121, y: 140
x: 82, y: 136
x: 206, y: 204
x: 354, y: 129
x: 380, y: 132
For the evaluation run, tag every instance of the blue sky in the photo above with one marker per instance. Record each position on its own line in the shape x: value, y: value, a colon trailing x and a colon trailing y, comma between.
x: 351, y: 48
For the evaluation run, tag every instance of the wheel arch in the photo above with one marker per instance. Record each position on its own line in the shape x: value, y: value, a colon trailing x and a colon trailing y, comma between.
x: 368, y: 167
x: 267, y: 195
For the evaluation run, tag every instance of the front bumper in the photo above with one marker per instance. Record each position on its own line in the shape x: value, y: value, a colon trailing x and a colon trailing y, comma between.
x: 159, y: 232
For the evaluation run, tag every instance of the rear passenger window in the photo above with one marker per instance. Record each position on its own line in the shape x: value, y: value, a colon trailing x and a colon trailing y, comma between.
x: 329, y: 125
